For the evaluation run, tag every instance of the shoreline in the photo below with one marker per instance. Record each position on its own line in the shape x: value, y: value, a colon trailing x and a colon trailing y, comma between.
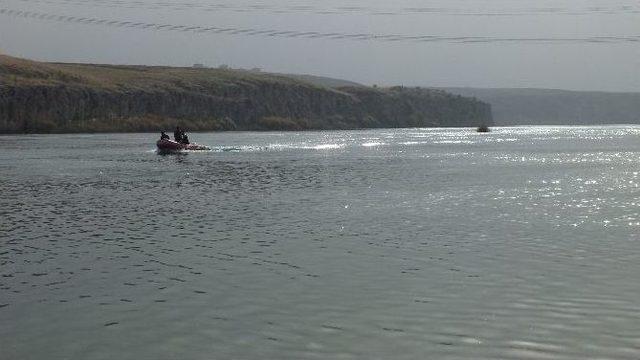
x: 38, y: 97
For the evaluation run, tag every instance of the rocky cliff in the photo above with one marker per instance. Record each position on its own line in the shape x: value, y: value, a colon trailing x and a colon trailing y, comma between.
x: 54, y: 97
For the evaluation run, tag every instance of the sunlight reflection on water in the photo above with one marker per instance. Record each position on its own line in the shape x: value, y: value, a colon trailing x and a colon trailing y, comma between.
x: 445, y: 243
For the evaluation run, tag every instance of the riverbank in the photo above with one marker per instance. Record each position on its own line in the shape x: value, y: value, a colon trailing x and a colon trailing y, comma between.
x: 38, y: 97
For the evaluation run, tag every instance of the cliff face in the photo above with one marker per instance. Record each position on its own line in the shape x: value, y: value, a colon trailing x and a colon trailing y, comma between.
x: 47, y: 97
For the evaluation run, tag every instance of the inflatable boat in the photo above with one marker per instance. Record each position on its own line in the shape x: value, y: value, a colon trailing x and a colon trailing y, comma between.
x: 165, y: 145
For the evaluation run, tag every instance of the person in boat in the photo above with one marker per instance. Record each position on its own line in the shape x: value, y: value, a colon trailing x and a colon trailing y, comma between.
x: 178, y: 134
x: 185, y: 138
x: 164, y: 136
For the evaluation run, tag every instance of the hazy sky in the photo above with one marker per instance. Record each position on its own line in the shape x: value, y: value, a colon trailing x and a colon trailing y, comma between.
x: 567, y: 44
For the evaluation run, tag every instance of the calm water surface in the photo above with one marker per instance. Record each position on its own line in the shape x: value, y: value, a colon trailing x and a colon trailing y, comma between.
x: 523, y: 243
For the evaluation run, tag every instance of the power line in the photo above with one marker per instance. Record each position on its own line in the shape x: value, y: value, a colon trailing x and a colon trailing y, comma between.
x: 280, y: 33
x: 342, y: 10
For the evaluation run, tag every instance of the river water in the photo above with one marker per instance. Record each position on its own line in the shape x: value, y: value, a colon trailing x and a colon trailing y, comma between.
x: 523, y: 243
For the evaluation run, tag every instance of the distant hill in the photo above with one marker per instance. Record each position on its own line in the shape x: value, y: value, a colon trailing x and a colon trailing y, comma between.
x: 323, y: 81
x: 57, y: 97
x: 557, y: 107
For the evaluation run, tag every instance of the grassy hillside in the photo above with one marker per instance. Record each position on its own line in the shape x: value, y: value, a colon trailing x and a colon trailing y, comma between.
x: 56, y: 97
x: 323, y: 80
x: 557, y: 107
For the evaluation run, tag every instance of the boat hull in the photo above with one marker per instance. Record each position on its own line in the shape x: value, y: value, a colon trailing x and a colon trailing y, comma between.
x: 172, y: 146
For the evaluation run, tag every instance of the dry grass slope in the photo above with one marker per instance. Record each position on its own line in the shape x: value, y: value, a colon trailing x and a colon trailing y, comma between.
x: 61, y: 97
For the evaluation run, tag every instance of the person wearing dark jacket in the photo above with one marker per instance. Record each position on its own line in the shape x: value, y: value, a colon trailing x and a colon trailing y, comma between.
x: 177, y: 135
x: 164, y: 136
